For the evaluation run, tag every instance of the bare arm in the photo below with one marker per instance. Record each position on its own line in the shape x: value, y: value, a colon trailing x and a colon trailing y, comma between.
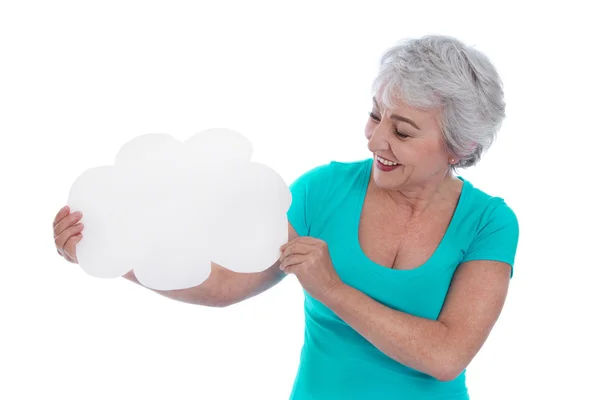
x: 224, y: 287
x: 441, y: 348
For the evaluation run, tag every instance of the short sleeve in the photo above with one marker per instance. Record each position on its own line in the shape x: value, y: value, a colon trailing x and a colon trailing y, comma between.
x: 308, y: 192
x: 497, y: 237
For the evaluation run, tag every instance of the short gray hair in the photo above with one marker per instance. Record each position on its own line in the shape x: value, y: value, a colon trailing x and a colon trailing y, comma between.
x: 440, y: 71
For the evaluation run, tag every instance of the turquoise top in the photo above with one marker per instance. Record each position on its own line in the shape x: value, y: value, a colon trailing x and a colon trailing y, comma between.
x: 336, y: 362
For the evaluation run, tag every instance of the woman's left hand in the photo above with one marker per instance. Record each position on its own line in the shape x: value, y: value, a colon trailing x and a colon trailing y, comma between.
x: 308, y: 258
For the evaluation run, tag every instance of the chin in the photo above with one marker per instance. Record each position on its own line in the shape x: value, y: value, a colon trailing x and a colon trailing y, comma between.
x: 384, y: 182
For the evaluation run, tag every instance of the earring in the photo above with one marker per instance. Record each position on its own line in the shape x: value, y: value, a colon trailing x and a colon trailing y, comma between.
x: 452, y: 161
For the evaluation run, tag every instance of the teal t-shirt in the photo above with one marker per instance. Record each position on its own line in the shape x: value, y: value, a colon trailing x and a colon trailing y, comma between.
x: 336, y: 362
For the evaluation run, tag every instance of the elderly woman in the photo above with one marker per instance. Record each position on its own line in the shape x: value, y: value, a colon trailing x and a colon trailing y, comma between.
x: 405, y: 265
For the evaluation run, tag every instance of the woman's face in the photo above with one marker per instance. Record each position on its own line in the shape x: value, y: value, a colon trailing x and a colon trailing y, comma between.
x: 409, y: 137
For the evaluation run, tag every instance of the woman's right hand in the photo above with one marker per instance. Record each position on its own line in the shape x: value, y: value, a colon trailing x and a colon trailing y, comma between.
x: 67, y: 233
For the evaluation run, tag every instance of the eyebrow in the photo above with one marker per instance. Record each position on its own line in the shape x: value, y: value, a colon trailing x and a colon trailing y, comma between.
x: 398, y: 117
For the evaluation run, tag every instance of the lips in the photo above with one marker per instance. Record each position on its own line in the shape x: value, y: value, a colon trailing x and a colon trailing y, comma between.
x: 385, y: 161
x: 383, y: 167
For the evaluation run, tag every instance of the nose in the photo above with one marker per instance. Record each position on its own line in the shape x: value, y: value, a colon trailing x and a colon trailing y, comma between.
x: 378, y: 139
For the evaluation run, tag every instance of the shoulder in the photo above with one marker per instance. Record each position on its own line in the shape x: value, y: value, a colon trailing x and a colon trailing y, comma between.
x: 352, y: 165
x: 490, y: 208
x: 317, y: 192
x: 331, y: 174
x: 491, y: 227
x: 343, y: 166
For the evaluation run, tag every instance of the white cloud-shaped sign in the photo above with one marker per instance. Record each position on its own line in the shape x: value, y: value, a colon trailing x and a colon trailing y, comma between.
x: 167, y: 208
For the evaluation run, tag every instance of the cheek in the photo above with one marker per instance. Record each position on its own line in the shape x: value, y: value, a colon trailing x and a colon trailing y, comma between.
x: 411, y: 153
x: 433, y: 154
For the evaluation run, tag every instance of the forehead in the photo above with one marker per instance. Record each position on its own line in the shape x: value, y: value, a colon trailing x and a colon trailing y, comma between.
x: 428, y: 119
x: 400, y: 107
x: 396, y: 102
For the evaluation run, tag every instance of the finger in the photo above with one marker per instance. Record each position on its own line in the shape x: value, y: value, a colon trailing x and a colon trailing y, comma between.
x: 298, y: 248
x: 288, y: 244
x: 67, y: 257
x: 66, y: 222
x: 63, y: 237
x: 71, y: 246
x: 64, y: 255
x: 63, y: 212
x: 302, y: 239
x: 290, y: 262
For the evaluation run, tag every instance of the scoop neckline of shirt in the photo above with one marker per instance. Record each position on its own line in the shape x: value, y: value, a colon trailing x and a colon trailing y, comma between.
x: 427, y: 265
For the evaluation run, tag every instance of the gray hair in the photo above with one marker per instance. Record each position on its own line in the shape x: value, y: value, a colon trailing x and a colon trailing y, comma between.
x: 441, y: 71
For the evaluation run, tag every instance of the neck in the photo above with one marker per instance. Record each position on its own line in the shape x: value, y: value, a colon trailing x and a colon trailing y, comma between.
x: 417, y: 199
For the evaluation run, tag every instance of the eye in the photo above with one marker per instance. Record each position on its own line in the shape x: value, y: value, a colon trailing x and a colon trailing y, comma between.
x: 373, y: 116
x: 399, y: 134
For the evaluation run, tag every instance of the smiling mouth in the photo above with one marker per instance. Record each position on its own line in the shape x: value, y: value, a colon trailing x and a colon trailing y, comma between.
x: 385, y: 165
x: 387, y: 162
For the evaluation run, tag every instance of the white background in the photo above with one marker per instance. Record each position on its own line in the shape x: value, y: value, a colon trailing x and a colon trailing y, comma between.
x: 79, y: 79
